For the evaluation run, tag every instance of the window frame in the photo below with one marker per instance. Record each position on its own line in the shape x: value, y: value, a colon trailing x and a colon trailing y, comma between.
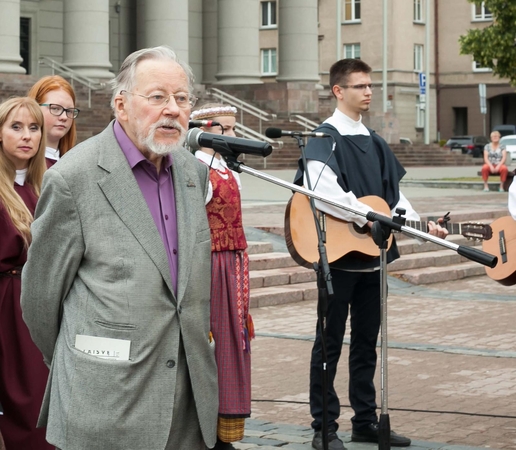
x: 418, y: 11
x: 271, y: 61
x: 270, y: 15
x: 420, y: 113
x: 353, y: 11
x: 478, y: 69
x: 483, y: 16
x: 419, y: 58
x: 353, y: 47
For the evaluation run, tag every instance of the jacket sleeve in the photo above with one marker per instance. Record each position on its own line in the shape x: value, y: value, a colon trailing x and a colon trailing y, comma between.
x: 53, y: 260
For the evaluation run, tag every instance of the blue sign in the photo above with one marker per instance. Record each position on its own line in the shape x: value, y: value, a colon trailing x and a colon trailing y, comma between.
x: 422, y: 83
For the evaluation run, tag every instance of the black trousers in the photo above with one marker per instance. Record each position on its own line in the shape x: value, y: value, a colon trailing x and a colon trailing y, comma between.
x: 358, y: 293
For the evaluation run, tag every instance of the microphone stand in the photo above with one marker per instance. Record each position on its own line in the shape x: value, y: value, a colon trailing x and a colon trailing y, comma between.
x: 324, y: 294
x: 381, y: 229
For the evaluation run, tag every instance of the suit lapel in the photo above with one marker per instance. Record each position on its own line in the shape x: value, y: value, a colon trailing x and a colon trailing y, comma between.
x: 186, y: 236
x: 126, y: 199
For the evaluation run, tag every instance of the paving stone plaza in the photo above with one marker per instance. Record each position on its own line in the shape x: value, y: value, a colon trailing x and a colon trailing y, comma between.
x: 452, y: 345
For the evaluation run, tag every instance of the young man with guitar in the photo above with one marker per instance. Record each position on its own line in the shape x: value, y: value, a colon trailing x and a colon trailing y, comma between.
x: 362, y: 164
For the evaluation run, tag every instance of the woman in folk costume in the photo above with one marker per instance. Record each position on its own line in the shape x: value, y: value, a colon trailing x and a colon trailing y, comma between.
x: 231, y: 323
x: 23, y: 375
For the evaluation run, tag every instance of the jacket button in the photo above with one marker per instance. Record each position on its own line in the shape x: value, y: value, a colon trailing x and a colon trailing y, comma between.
x: 171, y: 363
x: 179, y: 309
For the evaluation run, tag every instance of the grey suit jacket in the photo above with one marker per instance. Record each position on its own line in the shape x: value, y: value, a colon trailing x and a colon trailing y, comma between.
x: 97, y: 266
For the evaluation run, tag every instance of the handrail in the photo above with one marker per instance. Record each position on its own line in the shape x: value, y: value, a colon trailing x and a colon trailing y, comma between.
x: 243, y: 106
x: 308, y: 124
x: 74, y: 76
x: 249, y: 133
x: 252, y: 134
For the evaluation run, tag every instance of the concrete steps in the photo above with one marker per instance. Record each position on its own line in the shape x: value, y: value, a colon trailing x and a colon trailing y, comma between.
x: 276, y: 279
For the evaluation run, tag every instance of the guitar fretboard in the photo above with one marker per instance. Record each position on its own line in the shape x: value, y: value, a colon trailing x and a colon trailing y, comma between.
x: 453, y: 228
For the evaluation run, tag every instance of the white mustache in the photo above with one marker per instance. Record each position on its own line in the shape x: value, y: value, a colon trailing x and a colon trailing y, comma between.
x: 169, y: 123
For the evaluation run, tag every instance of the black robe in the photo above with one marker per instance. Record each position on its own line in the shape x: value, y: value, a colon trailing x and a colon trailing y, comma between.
x: 364, y: 165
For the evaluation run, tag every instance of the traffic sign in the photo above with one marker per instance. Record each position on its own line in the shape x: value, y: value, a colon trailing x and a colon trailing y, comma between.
x: 422, y: 83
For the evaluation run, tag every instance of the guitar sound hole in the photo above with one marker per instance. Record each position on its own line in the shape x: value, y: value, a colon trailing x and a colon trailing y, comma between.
x: 360, y: 230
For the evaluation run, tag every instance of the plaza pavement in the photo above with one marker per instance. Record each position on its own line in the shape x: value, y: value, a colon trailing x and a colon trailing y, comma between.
x: 452, y: 346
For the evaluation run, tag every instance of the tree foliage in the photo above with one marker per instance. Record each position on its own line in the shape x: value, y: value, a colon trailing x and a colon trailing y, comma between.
x: 494, y: 46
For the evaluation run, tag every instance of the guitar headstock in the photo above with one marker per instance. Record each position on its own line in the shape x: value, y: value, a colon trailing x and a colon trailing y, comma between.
x: 477, y: 231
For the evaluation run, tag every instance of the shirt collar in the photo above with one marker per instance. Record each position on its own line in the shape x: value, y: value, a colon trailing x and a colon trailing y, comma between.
x: 210, y: 160
x: 52, y: 153
x: 20, y: 177
x: 131, y: 152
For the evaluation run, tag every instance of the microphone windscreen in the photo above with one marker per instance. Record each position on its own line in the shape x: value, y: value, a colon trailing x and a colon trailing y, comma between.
x: 273, y: 133
x: 192, y: 138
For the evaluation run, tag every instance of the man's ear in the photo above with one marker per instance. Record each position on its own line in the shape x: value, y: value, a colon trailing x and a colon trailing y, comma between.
x: 120, y: 107
x: 336, y: 91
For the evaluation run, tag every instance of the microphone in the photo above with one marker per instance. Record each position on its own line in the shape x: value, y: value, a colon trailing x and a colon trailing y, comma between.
x: 276, y: 133
x: 202, y: 123
x: 226, y: 145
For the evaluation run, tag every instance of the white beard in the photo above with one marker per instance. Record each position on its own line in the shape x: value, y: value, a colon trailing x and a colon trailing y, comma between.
x: 148, y: 142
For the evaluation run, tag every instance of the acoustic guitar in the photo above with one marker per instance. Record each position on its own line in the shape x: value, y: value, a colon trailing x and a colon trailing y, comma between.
x: 502, y: 245
x: 343, y: 238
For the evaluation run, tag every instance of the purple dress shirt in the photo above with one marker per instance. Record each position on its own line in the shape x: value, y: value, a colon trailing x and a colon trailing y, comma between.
x: 158, y: 191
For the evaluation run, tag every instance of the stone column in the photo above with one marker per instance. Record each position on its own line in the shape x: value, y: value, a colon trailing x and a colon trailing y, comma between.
x: 86, y: 38
x: 209, y: 41
x: 195, y: 38
x: 298, y: 41
x: 164, y: 22
x: 10, y: 58
x: 238, y: 43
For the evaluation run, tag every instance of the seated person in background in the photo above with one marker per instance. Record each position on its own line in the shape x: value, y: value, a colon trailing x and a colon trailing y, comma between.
x: 494, y: 161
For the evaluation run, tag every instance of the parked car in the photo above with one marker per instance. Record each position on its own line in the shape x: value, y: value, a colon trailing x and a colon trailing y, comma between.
x: 505, y: 130
x: 509, y: 142
x: 472, y: 145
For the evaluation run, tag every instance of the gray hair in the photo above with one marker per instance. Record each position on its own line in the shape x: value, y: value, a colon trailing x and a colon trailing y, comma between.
x: 125, y: 79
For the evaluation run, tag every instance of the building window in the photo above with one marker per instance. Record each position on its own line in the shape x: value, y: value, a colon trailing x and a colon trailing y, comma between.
x: 418, y: 58
x: 269, y: 62
x: 351, y: 10
x: 418, y: 10
x: 25, y: 43
x: 481, y: 12
x: 352, y: 51
x: 420, y: 111
x: 478, y: 68
x: 269, y: 15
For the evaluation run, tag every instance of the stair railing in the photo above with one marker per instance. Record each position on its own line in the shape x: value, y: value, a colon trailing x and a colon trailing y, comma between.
x: 66, y: 72
x: 308, y: 124
x: 249, y: 133
x: 243, y: 107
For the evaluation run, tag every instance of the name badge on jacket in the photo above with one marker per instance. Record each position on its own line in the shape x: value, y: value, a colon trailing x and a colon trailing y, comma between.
x: 106, y: 348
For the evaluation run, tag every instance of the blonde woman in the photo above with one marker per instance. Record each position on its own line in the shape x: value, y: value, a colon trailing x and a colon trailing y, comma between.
x: 23, y: 374
x: 230, y: 321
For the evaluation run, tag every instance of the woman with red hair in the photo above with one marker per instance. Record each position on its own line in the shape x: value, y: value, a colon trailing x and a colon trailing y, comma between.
x: 57, y: 100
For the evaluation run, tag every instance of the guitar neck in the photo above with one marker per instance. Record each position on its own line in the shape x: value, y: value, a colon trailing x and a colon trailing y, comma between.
x: 453, y: 228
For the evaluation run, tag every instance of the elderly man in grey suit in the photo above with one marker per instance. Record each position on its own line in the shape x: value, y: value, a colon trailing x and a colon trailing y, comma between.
x: 116, y: 288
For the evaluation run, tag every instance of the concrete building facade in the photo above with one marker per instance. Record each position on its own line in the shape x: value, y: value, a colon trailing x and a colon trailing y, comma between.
x: 277, y: 54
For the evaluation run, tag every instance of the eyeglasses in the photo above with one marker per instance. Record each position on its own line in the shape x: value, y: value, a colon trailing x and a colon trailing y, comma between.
x: 359, y: 87
x: 57, y: 110
x: 182, y: 100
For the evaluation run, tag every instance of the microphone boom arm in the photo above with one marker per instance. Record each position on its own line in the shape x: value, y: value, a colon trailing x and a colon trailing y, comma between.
x: 471, y: 253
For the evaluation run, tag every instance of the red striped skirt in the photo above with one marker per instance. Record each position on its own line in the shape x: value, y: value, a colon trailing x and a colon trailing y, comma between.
x: 229, y: 326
